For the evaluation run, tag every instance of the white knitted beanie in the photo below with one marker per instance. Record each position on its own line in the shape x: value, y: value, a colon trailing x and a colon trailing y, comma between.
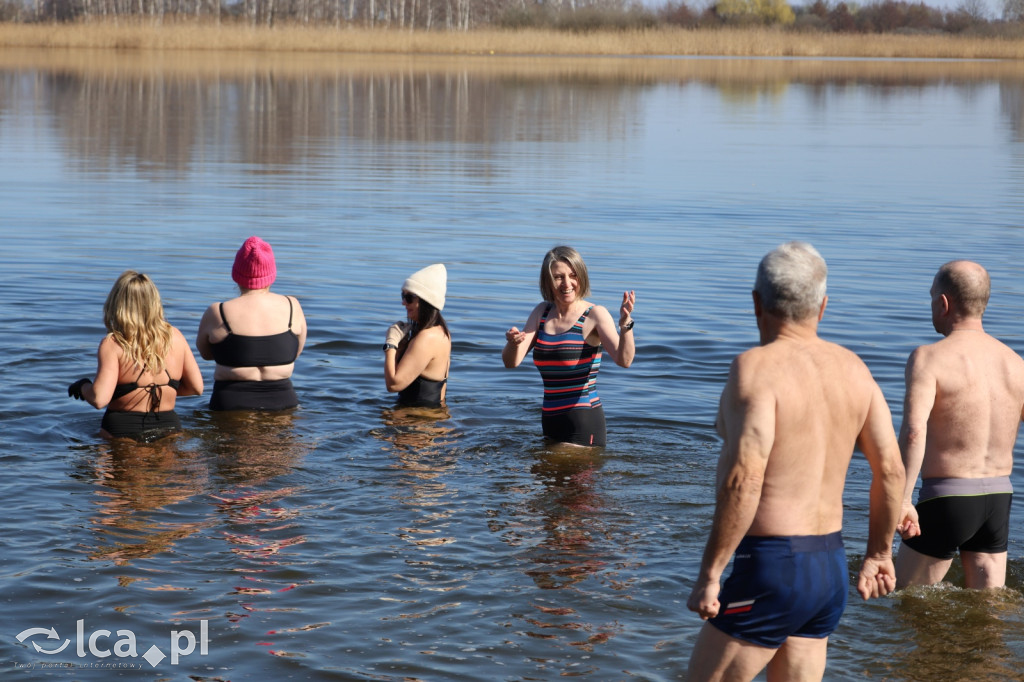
x: 430, y: 284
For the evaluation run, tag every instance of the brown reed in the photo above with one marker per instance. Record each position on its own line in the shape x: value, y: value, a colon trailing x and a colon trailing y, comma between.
x: 731, y: 42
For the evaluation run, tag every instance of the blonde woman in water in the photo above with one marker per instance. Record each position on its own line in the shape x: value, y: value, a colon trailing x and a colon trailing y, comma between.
x: 144, y: 364
x: 567, y: 334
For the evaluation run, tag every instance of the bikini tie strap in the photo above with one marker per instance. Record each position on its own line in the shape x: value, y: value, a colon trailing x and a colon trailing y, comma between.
x: 154, y: 395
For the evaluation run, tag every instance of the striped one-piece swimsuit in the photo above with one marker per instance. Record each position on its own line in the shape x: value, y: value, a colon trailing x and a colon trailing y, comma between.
x: 568, y: 365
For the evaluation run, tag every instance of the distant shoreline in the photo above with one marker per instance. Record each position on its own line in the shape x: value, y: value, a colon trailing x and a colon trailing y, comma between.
x: 725, y: 42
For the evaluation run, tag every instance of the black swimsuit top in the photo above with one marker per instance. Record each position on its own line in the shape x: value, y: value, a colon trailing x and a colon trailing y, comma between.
x: 422, y: 392
x: 121, y: 390
x: 237, y: 350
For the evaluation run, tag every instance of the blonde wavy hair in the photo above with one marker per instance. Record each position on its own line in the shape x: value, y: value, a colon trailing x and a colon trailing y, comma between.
x: 134, y: 317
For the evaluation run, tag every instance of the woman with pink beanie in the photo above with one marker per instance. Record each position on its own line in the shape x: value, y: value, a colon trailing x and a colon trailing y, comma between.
x: 254, y: 338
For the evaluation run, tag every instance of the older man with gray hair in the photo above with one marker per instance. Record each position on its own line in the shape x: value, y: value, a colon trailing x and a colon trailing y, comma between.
x: 790, y: 415
x: 963, y: 404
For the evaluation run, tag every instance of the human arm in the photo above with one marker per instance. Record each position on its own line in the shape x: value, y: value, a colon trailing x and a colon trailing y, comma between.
x: 918, y: 401
x: 210, y: 321
x: 99, y: 392
x: 298, y: 324
x: 617, y: 341
x: 877, y: 441
x: 747, y: 422
x: 518, y: 343
x: 191, y: 376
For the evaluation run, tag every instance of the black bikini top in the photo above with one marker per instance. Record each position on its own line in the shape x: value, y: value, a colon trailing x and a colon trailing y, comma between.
x: 121, y: 390
x: 236, y: 350
x: 422, y: 392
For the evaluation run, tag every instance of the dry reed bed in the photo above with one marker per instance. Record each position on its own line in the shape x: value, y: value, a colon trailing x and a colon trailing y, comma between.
x: 754, y: 42
x: 211, y: 65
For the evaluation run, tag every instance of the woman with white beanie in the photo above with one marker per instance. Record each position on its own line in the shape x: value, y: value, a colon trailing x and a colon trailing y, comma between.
x: 417, y: 352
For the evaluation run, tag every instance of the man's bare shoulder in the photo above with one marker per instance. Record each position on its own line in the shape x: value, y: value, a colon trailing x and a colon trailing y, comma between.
x: 853, y: 369
x: 843, y: 354
x: 925, y: 355
x: 751, y: 362
x: 979, y: 342
x: 1010, y: 353
x: 781, y: 360
x: 751, y: 371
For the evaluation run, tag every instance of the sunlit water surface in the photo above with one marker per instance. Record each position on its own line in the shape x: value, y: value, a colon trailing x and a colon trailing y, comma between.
x: 350, y: 540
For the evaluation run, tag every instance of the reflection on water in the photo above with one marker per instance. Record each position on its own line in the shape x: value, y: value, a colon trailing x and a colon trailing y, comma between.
x: 570, y: 506
x: 1011, y: 101
x: 573, y: 548
x: 423, y: 457
x: 135, y: 483
x: 252, y: 448
x: 422, y: 446
x: 249, y: 452
x: 566, y: 540
x: 271, y: 113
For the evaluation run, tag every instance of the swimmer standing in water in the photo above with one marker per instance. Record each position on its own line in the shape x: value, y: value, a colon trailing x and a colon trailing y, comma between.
x: 790, y: 414
x: 963, y: 405
x: 567, y: 334
x: 417, y: 351
x: 144, y: 365
x: 255, y: 338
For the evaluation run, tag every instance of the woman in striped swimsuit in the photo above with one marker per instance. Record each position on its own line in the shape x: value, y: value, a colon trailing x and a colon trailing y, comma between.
x: 567, y: 335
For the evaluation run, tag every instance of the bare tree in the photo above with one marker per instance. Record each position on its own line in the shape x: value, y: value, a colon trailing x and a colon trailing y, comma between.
x: 975, y: 9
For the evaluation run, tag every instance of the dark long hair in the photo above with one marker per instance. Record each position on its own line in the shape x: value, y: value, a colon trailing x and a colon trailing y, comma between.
x: 429, y: 317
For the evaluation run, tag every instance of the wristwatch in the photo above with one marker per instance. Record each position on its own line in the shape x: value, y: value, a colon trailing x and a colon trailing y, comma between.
x: 388, y: 346
x: 629, y: 325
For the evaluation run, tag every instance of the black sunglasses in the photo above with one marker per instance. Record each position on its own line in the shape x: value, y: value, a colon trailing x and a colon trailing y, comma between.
x: 407, y: 297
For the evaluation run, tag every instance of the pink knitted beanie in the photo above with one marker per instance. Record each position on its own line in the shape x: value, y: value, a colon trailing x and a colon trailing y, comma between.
x: 254, y: 265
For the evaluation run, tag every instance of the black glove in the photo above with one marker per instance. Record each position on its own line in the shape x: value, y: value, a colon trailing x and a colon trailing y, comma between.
x: 75, y: 389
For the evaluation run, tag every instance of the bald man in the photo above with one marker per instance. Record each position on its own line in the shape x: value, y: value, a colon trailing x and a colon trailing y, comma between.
x: 964, y: 401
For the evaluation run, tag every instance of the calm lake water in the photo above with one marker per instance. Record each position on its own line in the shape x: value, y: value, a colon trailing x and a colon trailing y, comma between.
x: 353, y: 541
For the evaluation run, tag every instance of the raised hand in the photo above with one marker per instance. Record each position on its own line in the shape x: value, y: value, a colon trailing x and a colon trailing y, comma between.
x: 626, y: 309
x: 396, y: 332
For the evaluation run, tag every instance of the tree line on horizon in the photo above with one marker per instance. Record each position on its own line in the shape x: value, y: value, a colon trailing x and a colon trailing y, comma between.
x: 580, y: 16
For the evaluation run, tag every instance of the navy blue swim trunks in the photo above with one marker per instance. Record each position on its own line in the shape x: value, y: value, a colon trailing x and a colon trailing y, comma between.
x: 784, y: 586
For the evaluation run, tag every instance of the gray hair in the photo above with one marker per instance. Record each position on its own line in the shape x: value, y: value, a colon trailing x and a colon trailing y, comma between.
x: 791, y: 281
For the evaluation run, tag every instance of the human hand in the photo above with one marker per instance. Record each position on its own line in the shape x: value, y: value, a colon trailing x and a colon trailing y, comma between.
x: 704, y: 599
x: 396, y: 332
x: 75, y: 389
x: 514, y: 336
x: 877, y: 577
x: 626, y: 309
x: 909, y: 527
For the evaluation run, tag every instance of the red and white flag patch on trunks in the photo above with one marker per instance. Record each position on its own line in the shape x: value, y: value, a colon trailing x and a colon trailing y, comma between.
x: 738, y: 607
